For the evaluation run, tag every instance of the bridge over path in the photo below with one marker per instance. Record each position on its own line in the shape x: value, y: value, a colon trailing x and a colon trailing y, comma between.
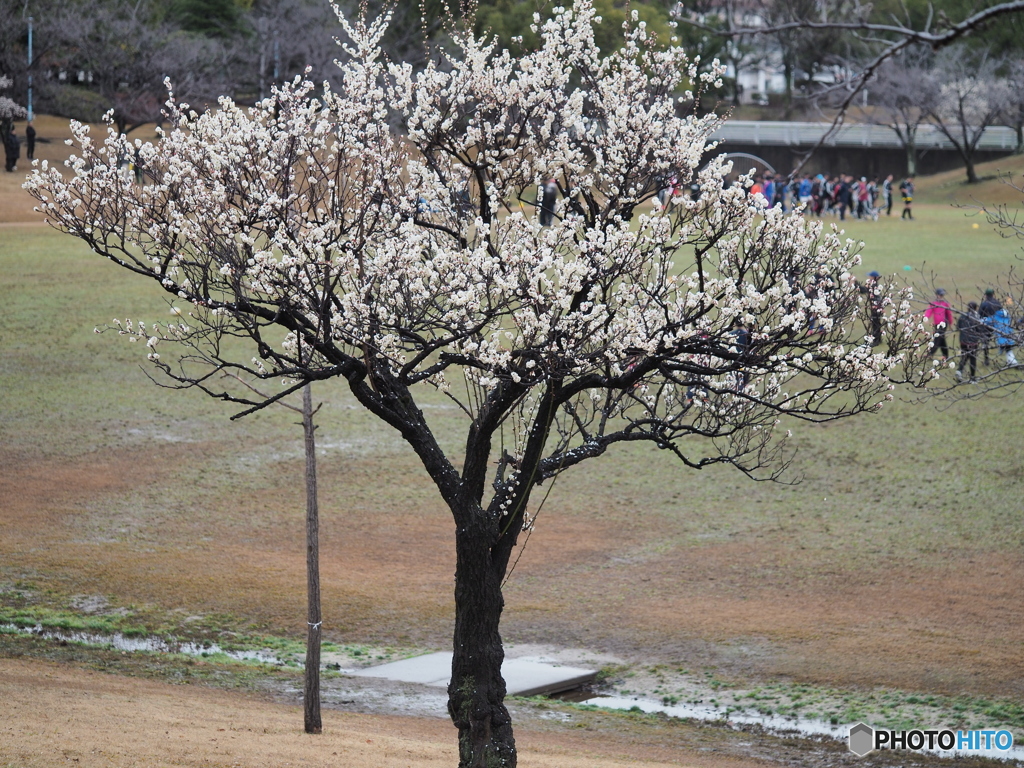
x: 861, y: 149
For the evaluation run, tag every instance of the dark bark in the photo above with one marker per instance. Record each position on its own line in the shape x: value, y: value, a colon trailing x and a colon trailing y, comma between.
x: 972, y: 175
x: 484, y: 540
x: 476, y: 692
x: 911, y: 159
x: 314, y: 618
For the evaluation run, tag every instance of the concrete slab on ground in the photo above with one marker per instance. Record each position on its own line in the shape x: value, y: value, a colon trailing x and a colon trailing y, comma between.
x: 523, y: 677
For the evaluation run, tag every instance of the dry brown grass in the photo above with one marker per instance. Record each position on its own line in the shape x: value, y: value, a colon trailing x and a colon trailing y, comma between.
x: 60, y: 715
x: 952, y: 187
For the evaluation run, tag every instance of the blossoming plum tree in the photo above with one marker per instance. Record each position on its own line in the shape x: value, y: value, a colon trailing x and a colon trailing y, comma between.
x: 311, y: 242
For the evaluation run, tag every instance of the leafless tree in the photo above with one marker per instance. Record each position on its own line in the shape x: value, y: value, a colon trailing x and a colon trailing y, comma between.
x: 970, y: 97
x: 1013, y: 101
x: 314, y: 615
x: 886, y: 40
x: 125, y: 50
x: 806, y: 51
x: 286, y: 37
x: 903, y: 94
x: 740, y: 53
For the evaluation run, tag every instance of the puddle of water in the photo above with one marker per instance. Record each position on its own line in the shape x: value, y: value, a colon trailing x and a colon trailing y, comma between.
x: 576, y: 696
x: 388, y: 702
x: 435, y: 704
x: 134, y: 644
x: 773, y: 723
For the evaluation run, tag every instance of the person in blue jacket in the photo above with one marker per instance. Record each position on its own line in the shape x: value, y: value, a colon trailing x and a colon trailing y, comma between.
x: 1004, y: 332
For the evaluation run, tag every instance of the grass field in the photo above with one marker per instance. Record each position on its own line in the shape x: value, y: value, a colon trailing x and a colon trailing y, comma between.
x: 897, y: 561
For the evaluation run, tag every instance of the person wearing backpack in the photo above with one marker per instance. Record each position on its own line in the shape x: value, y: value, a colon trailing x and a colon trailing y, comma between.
x: 1002, y: 329
x: 989, y: 306
x: 972, y: 333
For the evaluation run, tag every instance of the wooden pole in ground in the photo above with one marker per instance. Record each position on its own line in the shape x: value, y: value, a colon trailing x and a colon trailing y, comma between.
x: 314, y: 618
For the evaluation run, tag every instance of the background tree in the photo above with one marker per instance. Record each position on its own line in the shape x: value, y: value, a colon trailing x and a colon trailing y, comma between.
x: 312, y: 243
x: 970, y: 98
x: 281, y: 39
x: 740, y: 50
x: 1013, y: 101
x: 883, y: 39
x: 903, y: 94
x: 125, y: 50
x: 212, y: 18
x: 13, y: 37
x: 14, y: 44
x: 806, y: 52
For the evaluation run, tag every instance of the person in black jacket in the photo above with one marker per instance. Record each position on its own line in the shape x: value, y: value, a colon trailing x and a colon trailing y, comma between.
x: 30, y: 141
x: 989, y: 306
x: 844, y: 195
x: 972, y: 333
x: 12, y: 151
x: 907, y: 190
x: 548, y: 197
x: 873, y: 290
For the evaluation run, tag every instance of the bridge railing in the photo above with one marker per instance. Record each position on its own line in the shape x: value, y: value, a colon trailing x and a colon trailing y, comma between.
x: 770, y: 133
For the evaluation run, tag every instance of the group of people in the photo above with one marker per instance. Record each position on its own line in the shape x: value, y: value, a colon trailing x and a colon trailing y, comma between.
x: 980, y: 327
x: 12, y: 147
x: 825, y: 195
x: 820, y: 195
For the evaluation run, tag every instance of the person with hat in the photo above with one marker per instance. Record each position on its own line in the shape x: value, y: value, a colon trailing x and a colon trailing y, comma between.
x: 874, y: 294
x: 989, y: 306
x: 972, y: 333
x: 1002, y: 329
x: 940, y: 313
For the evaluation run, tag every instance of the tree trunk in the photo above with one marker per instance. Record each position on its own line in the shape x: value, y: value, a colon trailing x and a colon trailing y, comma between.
x: 314, y: 618
x: 972, y: 176
x: 911, y: 160
x: 1019, y: 149
x: 787, y: 70
x: 476, y: 692
x: 736, y: 83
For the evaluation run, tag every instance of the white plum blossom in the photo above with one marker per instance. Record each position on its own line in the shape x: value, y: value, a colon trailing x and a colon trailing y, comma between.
x: 341, y: 248
x: 10, y: 110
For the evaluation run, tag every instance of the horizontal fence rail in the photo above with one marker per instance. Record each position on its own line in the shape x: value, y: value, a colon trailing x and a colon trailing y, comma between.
x: 783, y: 134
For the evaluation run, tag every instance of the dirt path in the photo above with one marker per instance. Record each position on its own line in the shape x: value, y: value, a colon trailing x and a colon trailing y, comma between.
x: 55, y: 715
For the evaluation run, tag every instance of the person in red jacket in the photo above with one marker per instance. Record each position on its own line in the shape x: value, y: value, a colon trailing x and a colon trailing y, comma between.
x: 941, y: 315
